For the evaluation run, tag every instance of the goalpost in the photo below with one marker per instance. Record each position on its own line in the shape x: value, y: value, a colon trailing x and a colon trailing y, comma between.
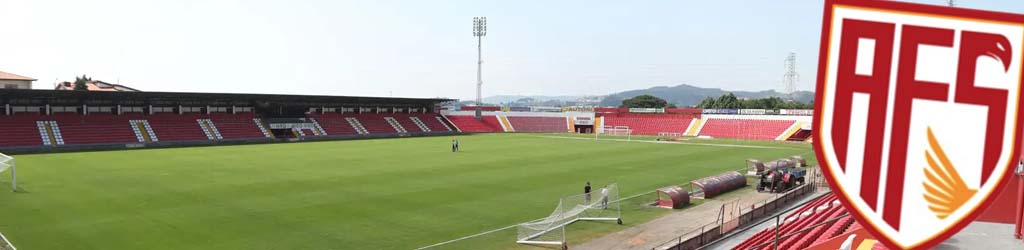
x: 7, y: 162
x: 617, y: 131
x: 601, y: 205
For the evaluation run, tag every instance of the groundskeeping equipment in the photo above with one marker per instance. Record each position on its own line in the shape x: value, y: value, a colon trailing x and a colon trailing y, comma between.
x: 601, y: 205
x: 7, y: 164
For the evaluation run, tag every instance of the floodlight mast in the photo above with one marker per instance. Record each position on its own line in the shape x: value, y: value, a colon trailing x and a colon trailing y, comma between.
x: 479, y: 31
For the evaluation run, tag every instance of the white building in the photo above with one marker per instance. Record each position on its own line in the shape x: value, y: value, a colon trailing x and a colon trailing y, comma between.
x: 12, y: 81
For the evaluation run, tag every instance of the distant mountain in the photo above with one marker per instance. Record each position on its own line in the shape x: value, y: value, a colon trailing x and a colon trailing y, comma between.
x: 540, y: 98
x: 686, y: 95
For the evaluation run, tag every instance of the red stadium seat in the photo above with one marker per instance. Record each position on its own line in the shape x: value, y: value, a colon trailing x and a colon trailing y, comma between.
x: 650, y: 124
x: 539, y: 124
x: 745, y: 128
x: 469, y: 124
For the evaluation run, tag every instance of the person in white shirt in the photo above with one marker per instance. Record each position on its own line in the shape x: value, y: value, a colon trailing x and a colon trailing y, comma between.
x: 604, y: 198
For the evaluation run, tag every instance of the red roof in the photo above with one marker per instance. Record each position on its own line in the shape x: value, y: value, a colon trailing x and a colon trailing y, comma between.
x: 9, y: 76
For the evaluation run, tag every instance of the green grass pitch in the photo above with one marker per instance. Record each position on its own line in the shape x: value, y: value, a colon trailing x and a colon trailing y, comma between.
x: 363, y: 194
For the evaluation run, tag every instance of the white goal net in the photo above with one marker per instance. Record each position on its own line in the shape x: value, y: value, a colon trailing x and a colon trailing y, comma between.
x: 619, y: 132
x: 7, y: 164
x: 600, y: 205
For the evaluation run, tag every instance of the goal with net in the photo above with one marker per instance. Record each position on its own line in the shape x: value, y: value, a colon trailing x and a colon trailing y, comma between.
x: 600, y: 205
x: 7, y: 164
x: 618, y: 132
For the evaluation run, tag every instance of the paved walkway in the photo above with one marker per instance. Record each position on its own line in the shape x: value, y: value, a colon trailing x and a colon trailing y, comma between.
x: 666, y: 228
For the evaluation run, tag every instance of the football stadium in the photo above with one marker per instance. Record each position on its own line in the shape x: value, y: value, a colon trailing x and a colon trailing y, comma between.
x: 89, y: 164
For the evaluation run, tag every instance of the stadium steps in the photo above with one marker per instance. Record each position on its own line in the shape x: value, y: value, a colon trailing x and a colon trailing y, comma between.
x: 395, y: 125
x: 419, y: 123
x: 505, y: 124
x: 334, y: 124
x: 176, y: 127
x: 210, y: 129
x: 317, y: 128
x: 95, y: 128
x: 447, y: 124
x: 263, y: 128
x: 236, y: 125
x: 405, y: 120
x: 376, y: 124
x: 352, y: 121
x: 142, y: 131
x: 50, y: 133
x: 694, y: 127
x: 790, y: 131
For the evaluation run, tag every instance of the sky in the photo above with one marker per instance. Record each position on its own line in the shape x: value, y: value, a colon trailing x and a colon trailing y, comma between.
x: 415, y: 48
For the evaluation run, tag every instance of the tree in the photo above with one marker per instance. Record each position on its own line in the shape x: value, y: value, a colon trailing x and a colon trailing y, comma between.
x: 707, y: 103
x: 729, y: 101
x: 644, y: 101
x: 81, y: 83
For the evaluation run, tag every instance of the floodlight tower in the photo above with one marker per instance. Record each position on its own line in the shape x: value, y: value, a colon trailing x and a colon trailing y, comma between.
x: 479, y: 31
x: 791, y: 78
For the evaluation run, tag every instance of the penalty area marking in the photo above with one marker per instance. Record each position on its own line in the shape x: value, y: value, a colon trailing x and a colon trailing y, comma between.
x: 514, y: 225
x: 669, y: 142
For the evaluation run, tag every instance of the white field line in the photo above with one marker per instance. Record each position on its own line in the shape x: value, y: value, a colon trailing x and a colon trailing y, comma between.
x: 9, y: 244
x: 514, y: 225
x: 670, y: 142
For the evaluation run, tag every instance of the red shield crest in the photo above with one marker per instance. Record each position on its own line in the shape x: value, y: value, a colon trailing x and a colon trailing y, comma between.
x: 917, y: 112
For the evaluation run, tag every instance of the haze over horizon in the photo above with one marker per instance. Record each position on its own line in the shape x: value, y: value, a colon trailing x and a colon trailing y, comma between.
x: 414, y: 48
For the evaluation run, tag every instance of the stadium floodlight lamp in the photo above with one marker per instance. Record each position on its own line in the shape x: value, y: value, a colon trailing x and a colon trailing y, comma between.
x: 479, y: 26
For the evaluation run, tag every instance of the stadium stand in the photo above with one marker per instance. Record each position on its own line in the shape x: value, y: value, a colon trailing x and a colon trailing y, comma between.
x: 236, y: 126
x: 375, y: 123
x: 753, y: 129
x: 94, y: 128
x: 432, y: 121
x: 406, y: 121
x: 650, y: 124
x: 539, y: 124
x: 817, y: 221
x: 469, y: 124
x: 19, y: 130
x: 334, y: 124
x: 175, y: 127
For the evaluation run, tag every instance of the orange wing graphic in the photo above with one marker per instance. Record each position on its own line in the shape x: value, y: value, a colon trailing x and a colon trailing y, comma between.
x: 945, y: 190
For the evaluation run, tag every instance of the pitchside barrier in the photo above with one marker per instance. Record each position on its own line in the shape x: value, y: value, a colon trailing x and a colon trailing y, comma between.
x: 716, y: 230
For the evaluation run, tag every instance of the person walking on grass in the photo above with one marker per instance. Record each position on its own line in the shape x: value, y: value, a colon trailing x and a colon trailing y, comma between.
x: 455, y: 146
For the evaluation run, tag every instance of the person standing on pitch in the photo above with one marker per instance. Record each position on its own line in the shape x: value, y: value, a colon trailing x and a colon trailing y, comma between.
x: 604, y: 198
x: 455, y: 146
x: 586, y: 193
